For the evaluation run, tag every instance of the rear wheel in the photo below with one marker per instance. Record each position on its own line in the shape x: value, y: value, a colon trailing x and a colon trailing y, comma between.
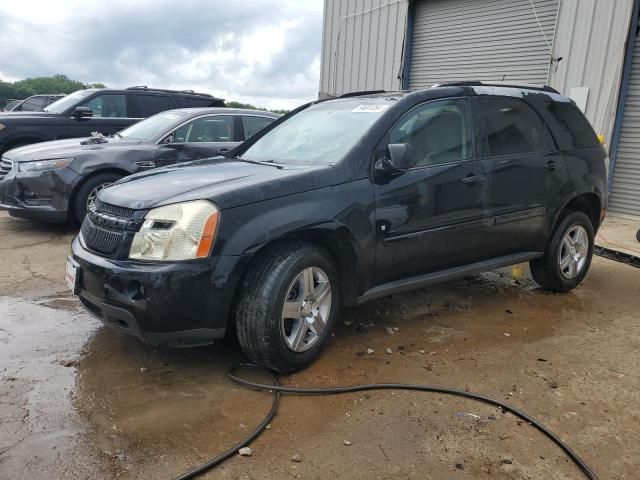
x: 89, y: 191
x: 288, y: 306
x: 568, y: 255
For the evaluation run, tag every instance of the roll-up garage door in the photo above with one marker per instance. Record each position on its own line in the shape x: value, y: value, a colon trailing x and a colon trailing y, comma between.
x: 625, y: 190
x: 489, y: 40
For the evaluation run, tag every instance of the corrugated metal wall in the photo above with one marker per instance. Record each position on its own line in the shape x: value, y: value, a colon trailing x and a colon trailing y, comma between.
x: 590, y: 38
x: 489, y: 40
x: 362, y: 45
x: 625, y: 189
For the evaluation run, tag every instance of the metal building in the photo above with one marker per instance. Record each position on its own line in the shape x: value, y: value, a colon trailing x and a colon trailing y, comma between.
x: 584, y: 48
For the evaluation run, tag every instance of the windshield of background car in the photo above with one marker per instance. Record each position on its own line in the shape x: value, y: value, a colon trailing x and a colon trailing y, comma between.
x: 149, y: 128
x: 321, y: 134
x: 67, y: 102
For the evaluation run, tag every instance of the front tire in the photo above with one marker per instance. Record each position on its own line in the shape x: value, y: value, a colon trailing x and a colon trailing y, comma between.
x: 568, y: 255
x: 89, y: 190
x: 288, y: 306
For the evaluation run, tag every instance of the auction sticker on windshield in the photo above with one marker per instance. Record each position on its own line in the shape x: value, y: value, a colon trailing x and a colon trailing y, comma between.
x: 370, y: 108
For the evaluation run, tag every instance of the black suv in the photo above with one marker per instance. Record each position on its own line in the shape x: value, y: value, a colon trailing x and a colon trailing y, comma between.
x: 104, y: 110
x: 339, y: 202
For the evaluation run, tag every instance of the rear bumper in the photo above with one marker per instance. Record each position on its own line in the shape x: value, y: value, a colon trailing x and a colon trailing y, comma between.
x: 177, y: 304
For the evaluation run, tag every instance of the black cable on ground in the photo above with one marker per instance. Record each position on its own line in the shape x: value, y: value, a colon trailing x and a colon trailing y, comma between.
x: 217, y: 460
x: 277, y: 389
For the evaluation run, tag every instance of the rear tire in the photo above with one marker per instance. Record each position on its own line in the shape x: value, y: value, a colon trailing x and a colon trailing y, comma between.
x: 89, y: 190
x: 568, y: 254
x: 288, y: 305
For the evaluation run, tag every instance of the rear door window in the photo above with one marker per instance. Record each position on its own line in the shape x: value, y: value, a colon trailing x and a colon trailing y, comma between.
x: 151, y: 104
x: 511, y: 127
x: 217, y: 128
x: 252, y: 125
x: 108, y: 106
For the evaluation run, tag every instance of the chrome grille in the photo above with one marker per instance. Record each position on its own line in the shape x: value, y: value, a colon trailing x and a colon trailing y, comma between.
x: 5, y: 167
x: 100, y: 239
x: 115, y: 210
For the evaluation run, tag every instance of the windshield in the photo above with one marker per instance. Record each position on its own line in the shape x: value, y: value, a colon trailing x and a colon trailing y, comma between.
x: 65, y: 103
x: 323, y: 133
x: 147, y: 129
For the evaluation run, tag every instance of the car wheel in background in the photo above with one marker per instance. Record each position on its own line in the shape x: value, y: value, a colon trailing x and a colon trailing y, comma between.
x: 89, y: 191
x: 568, y: 255
x: 288, y: 305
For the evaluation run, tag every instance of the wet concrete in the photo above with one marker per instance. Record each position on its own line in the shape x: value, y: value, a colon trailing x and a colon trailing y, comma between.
x: 121, y: 409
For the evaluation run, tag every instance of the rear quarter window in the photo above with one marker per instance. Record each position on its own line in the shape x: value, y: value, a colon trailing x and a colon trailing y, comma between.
x: 195, y: 102
x: 579, y: 131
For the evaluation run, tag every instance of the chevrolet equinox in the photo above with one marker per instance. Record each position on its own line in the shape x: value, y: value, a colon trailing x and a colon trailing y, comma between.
x: 339, y: 202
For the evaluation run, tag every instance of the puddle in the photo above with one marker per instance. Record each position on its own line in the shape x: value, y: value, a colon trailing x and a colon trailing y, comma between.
x: 37, y: 412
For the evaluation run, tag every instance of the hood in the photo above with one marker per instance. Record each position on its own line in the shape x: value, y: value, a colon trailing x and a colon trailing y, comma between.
x: 227, y: 182
x: 71, y: 147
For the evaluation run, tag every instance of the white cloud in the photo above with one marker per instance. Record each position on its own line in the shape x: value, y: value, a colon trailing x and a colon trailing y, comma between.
x: 265, y: 52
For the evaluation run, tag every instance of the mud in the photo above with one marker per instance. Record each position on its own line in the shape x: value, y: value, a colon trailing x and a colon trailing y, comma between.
x: 121, y: 409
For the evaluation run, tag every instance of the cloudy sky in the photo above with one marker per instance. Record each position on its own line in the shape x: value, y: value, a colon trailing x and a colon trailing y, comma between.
x: 266, y: 52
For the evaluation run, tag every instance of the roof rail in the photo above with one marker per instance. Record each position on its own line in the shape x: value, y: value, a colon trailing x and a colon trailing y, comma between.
x: 359, y: 94
x: 473, y: 83
x: 164, y: 90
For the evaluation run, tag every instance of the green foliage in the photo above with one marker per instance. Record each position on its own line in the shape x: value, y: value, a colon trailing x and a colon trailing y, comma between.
x: 21, y: 89
x: 248, y: 106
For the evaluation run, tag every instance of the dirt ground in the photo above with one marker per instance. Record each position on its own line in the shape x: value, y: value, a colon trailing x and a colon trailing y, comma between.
x: 80, y: 401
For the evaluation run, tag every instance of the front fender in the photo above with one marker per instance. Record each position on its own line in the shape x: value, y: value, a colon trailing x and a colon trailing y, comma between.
x: 87, y: 163
x: 342, y: 214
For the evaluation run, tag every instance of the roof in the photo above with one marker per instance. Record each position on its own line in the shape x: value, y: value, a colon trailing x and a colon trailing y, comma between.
x: 144, y: 88
x: 472, y: 85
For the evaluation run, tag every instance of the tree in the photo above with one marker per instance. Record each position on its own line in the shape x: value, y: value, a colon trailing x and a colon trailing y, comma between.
x: 248, y: 106
x: 32, y: 86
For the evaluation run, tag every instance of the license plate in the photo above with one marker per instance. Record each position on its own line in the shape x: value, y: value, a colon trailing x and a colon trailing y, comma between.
x: 71, y: 275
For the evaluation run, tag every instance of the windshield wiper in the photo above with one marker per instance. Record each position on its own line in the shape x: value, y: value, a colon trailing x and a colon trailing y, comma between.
x: 116, y: 134
x: 270, y: 163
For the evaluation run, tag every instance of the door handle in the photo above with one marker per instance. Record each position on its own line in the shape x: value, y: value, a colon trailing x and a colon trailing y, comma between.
x: 550, y: 165
x: 222, y: 150
x: 471, y: 179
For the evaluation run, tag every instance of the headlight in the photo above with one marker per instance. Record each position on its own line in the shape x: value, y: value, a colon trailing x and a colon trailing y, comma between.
x: 182, y: 231
x: 39, y: 165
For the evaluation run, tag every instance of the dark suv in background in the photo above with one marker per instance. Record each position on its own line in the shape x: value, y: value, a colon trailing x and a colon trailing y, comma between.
x: 104, y: 110
x: 340, y: 202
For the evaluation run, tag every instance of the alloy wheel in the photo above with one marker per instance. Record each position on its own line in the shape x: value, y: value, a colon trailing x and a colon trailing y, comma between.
x: 574, y: 251
x: 306, y: 309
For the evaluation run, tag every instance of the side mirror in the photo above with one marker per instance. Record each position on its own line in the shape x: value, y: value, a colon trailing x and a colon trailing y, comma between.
x: 400, y: 158
x: 82, y: 112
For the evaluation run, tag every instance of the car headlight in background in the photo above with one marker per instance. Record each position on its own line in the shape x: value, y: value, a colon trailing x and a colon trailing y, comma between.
x: 39, y: 165
x: 182, y: 231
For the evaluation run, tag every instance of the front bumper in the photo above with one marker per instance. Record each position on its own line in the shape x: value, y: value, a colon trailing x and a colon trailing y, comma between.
x: 177, y: 304
x: 39, y: 195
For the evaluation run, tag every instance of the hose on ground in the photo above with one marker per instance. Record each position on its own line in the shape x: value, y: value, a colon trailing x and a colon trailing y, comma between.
x: 278, y: 389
